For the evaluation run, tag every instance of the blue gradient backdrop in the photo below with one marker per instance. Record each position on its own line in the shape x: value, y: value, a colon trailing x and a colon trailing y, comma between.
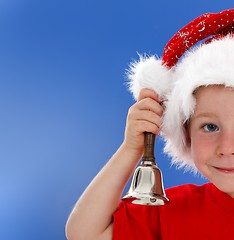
x: 63, y: 99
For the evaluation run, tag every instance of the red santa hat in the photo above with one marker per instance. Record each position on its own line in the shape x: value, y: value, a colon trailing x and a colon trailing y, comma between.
x: 183, y: 68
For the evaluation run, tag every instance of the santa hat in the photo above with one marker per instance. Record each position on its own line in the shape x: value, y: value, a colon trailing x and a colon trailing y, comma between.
x: 175, y: 77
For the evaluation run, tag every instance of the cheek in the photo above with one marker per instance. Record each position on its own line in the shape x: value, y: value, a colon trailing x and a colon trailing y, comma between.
x: 200, y: 145
x: 198, y: 149
x: 201, y: 154
x: 198, y: 157
x: 194, y: 151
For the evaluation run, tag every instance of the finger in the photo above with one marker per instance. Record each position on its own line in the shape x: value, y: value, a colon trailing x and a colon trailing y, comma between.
x: 148, y: 93
x: 146, y: 126
x: 135, y: 116
x: 149, y: 116
x: 150, y: 105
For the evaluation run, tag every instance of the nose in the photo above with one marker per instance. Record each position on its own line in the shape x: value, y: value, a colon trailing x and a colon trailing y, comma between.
x: 226, y: 145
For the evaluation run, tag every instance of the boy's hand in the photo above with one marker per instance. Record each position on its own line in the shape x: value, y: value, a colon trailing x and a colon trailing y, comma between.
x: 143, y: 116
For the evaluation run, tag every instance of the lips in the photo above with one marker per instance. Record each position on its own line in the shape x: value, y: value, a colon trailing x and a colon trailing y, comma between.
x: 225, y: 170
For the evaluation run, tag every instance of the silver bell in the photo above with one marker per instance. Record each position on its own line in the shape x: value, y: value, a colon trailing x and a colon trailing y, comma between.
x: 147, y: 184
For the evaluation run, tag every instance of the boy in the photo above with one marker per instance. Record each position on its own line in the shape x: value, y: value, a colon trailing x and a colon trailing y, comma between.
x: 197, y: 124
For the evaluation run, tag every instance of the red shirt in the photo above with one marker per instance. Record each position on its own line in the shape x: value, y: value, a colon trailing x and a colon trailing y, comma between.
x: 194, y: 212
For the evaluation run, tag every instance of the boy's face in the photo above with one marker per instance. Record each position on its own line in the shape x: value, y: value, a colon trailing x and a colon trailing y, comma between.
x: 211, y: 134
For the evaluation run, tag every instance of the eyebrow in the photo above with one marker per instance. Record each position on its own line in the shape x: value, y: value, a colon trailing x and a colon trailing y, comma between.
x: 204, y: 115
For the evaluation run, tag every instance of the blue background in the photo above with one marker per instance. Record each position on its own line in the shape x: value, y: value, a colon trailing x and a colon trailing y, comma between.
x: 63, y: 99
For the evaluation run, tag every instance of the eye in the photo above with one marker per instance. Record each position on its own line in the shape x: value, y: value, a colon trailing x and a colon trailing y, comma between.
x: 210, y: 127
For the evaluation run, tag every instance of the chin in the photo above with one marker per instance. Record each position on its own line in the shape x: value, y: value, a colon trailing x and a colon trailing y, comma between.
x: 226, y: 187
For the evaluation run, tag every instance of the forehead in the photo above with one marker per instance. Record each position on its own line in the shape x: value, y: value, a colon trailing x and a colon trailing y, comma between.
x: 213, y: 90
x: 214, y: 97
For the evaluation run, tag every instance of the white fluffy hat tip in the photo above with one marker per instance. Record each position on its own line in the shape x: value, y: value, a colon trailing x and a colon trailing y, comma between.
x: 149, y: 72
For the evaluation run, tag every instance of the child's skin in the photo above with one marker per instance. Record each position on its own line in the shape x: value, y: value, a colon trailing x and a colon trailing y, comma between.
x: 211, y: 137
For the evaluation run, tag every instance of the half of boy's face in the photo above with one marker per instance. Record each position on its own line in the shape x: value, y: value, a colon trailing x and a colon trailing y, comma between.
x: 211, y: 133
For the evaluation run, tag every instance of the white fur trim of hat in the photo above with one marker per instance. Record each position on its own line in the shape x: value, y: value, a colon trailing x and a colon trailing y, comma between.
x: 206, y: 64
